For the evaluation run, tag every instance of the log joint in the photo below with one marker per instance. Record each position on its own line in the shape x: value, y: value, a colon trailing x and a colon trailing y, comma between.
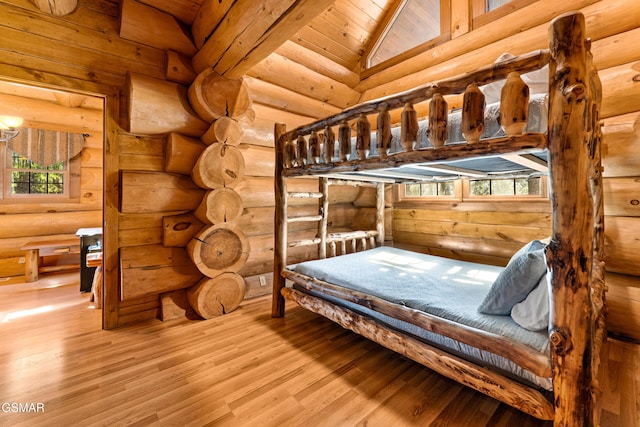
x: 560, y: 341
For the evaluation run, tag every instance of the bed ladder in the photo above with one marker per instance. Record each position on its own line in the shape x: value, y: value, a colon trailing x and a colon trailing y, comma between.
x: 368, y: 239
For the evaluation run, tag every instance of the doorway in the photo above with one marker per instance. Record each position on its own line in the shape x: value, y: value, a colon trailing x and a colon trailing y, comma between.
x: 52, y: 185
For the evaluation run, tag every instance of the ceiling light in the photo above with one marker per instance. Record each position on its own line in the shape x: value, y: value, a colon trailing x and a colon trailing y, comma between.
x: 8, y: 125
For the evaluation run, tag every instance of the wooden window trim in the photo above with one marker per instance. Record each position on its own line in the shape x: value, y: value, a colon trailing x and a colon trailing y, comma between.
x: 401, y: 196
x: 383, y: 28
x: 544, y: 193
x: 71, y: 186
x: 462, y: 194
x: 479, y: 17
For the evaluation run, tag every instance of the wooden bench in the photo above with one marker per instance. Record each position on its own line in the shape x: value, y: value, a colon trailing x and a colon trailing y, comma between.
x: 37, y: 249
x: 94, y: 259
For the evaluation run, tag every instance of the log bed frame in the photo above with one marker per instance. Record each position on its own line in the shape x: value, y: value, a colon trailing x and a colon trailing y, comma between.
x: 574, y: 257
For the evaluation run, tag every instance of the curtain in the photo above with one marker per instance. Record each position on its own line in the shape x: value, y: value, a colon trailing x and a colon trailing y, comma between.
x: 46, y: 147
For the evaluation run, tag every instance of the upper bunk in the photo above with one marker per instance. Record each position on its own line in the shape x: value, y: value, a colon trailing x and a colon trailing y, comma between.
x: 432, y: 141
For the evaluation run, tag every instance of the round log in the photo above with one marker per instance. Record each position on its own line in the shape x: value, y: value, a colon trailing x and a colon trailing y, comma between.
x: 219, y: 166
x: 213, y: 96
x: 220, y: 205
x: 181, y: 153
x: 221, y: 248
x: 225, y: 130
x: 157, y: 106
x: 215, y: 297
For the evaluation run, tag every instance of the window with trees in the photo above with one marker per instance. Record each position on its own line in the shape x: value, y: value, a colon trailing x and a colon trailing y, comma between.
x: 477, y: 189
x: 28, y: 177
x: 24, y: 179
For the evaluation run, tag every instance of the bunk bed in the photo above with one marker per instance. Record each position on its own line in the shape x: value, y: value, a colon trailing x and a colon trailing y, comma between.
x: 552, y: 373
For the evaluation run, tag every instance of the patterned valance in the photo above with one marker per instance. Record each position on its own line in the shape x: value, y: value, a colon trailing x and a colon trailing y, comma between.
x: 46, y: 147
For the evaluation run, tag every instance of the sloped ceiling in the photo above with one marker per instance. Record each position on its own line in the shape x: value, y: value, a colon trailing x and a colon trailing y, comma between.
x: 231, y: 36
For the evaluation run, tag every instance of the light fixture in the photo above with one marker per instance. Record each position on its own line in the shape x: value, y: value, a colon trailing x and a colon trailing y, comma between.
x: 8, y: 125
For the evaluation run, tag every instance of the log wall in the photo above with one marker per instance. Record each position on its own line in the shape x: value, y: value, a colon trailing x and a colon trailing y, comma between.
x: 93, y: 50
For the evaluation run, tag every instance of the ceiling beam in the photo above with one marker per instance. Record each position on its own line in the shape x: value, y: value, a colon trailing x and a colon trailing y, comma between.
x: 251, y: 31
x: 529, y: 161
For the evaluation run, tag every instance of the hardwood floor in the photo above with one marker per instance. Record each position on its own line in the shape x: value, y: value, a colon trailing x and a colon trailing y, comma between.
x: 243, y: 368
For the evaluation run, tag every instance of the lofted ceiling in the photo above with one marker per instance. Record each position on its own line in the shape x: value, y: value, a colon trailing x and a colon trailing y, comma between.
x: 340, y: 32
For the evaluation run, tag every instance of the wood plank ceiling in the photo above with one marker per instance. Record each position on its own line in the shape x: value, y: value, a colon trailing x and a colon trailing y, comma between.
x: 340, y: 32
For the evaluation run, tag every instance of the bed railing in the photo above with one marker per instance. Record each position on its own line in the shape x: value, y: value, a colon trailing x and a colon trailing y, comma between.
x: 311, y: 149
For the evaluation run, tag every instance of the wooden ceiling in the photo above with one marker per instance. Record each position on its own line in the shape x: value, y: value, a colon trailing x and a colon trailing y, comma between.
x: 341, y: 32
x: 45, y: 108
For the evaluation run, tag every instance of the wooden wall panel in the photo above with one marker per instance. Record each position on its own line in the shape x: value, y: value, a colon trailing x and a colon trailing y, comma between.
x: 621, y: 145
x: 623, y: 300
x: 622, y: 244
x: 622, y: 196
x: 468, y: 231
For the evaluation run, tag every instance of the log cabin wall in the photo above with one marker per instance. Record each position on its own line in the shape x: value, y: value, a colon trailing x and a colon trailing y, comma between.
x: 95, y: 49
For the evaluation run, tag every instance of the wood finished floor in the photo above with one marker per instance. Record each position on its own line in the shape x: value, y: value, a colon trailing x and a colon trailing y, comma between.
x: 244, y: 368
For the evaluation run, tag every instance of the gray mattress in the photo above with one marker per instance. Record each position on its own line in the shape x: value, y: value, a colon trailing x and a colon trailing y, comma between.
x: 440, y: 286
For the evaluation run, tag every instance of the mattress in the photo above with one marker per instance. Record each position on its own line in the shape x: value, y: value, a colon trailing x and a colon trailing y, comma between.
x: 439, y: 286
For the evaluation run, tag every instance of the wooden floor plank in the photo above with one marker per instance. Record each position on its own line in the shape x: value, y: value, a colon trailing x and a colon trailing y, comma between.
x: 240, y: 369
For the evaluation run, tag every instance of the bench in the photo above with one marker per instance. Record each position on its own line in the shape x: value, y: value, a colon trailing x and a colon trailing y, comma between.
x: 37, y: 249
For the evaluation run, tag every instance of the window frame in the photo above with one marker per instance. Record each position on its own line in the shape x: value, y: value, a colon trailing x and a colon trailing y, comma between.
x: 456, y: 196
x: 462, y: 193
x: 544, y: 193
x: 71, y: 182
x: 384, y: 28
x: 480, y: 16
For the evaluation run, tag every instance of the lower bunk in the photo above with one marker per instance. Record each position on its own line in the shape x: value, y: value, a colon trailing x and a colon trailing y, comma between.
x: 427, y: 309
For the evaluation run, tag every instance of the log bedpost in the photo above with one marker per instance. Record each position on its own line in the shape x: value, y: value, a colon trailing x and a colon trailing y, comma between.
x: 570, y: 253
x: 324, y: 222
x: 280, y: 224
x: 380, y: 213
x: 599, y: 356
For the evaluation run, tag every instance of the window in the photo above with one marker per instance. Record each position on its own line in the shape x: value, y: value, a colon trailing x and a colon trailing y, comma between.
x: 422, y: 189
x: 485, y: 11
x: 25, y: 180
x: 415, y: 25
x: 506, y: 187
x: 477, y: 189
x: 30, y: 178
